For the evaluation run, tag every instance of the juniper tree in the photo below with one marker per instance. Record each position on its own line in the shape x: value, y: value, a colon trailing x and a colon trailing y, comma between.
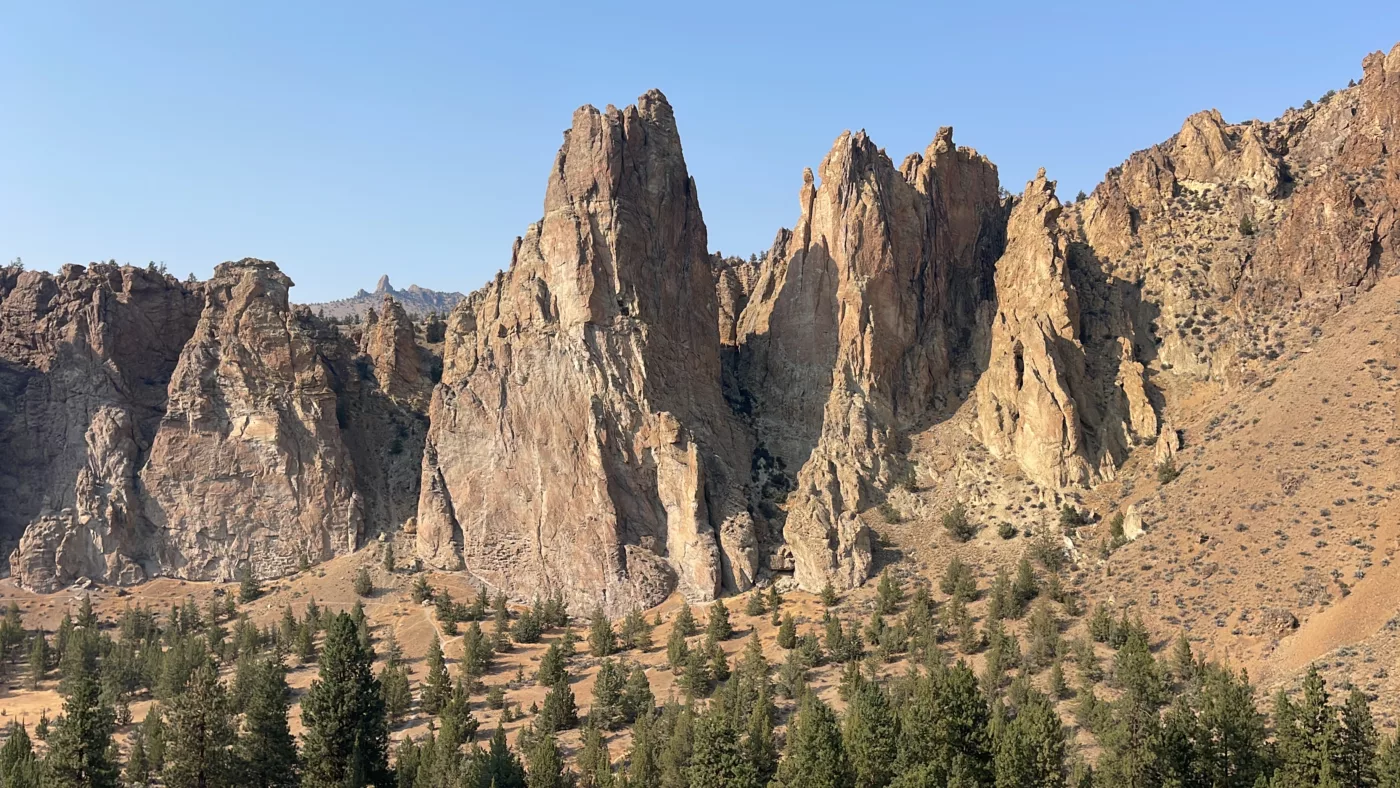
x: 787, y: 632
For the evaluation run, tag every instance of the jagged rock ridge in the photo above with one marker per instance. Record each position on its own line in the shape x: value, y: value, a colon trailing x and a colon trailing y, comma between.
x: 417, y: 302
x: 620, y: 415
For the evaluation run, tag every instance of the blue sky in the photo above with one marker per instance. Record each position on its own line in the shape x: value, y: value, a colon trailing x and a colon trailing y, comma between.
x: 346, y: 140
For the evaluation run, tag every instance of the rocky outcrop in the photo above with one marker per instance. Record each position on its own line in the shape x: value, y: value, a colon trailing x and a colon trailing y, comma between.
x: 249, y: 464
x: 579, y: 438
x: 84, y: 358
x: 1026, y: 400
x: 853, y: 331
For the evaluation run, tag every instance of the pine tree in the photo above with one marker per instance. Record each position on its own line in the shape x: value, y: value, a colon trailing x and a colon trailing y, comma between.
x: 717, y: 758
x: 602, y: 641
x: 635, y: 632
x: 345, y: 744
x: 674, y: 761
x: 1031, y: 751
x: 559, y: 712
x: 945, y: 727
x: 869, y: 735
x: 718, y: 627
x: 685, y: 621
x: 503, y: 768
x: 815, y: 757
x: 39, y: 659
x: 787, y: 632
x: 1355, y: 755
x: 249, y: 589
x: 199, y: 751
x: 642, y: 767
x: 437, y: 687
x: 267, y: 752
x: 546, y: 766
x: 888, y: 594
x: 552, y: 667
x: 18, y: 766
x: 1024, y: 588
x: 364, y: 584
x: 607, y: 712
x: 1232, y: 750
x: 79, y: 745
x: 759, y: 746
x: 1388, y: 764
x: 637, y: 698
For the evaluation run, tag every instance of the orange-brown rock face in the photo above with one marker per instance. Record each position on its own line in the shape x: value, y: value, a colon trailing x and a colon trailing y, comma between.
x: 579, y: 439
x: 853, y: 330
x: 249, y: 463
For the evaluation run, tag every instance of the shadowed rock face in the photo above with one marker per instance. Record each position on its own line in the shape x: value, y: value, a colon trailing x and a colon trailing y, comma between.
x: 579, y: 438
x: 854, y: 327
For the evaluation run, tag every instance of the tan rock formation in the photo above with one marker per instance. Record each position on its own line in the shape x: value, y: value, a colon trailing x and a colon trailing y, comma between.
x: 854, y: 327
x: 579, y: 439
x: 84, y: 358
x: 1026, y: 406
x: 249, y: 465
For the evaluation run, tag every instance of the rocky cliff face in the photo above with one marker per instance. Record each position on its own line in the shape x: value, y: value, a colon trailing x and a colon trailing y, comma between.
x: 854, y: 328
x: 155, y: 427
x: 579, y: 438
x: 85, y: 356
x: 621, y: 415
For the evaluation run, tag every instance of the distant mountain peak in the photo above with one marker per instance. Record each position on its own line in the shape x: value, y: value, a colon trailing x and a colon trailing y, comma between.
x: 416, y: 301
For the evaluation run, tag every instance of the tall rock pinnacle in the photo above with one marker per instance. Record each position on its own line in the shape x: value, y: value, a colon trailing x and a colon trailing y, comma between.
x: 579, y: 439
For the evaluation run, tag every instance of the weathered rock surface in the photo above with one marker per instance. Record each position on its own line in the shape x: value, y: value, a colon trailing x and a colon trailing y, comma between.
x: 84, y: 358
x: 579, y: 438
x: 155, y: 427
x: 416, y: 302
x: 853, y: 329
x: 249, y: 464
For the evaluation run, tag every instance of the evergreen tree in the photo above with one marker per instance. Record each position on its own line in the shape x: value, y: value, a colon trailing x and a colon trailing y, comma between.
x: 249, y: 589
x: 637, y: 698
x: 364, y: 584
x: 815, y: 757
x: 1232, y: 749
x: 1355, y: 756
x: 642, y: 767
x: 869, y: 735
x: 787, y: 632
x: 674, y: 761
x: 759, y: 745
x: 199, y: 750
x: 1388, y: 764
x: 18, y: 766
x: 503, y: 768
x: 717, y: 758
x: 718, y: 627
x: 559, y: 712
x: 1024, y: 588
x: 551, y: 668
x: 602, y: 641
x: 39, y: 659
x: 685, y: 621
x: 345, y: 744
x: 79, y: 747
x: 944, y: 727
x: 1031, y: 751
x: 888, y: 594
x: 546, y: 766
x: 607, y: 712
x: 267, y: 752
x: 437, y: 686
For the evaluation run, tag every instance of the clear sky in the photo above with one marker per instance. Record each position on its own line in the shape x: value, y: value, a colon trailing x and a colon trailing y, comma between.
x: 345, y: 140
